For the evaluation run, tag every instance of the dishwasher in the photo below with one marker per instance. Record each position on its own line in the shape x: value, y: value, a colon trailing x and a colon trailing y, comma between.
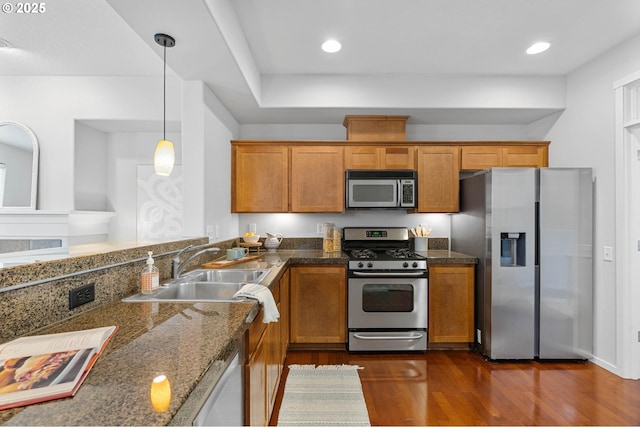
x: 218, y: 400
x: 224, y: 406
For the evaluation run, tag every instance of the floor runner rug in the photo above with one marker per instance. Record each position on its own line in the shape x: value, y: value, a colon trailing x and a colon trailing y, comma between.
x: 326, y: 395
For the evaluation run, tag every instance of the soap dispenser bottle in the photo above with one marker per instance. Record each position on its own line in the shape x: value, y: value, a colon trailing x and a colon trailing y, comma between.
x: 150, y: 279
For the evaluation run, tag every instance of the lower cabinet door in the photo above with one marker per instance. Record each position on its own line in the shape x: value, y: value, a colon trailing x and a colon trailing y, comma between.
x: 451, y: 303
x: 256, y: 382
x: 318, y: 304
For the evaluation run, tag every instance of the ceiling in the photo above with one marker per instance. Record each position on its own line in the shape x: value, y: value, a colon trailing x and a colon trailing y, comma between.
x: 263, y: 61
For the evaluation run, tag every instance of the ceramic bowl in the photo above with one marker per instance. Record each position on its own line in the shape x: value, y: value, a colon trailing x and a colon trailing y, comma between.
x: 251, y: 239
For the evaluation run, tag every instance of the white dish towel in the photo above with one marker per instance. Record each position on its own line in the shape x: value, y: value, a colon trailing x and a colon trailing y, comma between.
x: 264, y: 296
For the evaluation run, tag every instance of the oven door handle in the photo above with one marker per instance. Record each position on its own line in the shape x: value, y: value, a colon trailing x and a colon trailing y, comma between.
x: 382, y: 274
x: 412, y: 336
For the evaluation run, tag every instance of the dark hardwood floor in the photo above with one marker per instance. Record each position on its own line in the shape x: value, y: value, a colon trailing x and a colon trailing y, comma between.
x: 461, y: 388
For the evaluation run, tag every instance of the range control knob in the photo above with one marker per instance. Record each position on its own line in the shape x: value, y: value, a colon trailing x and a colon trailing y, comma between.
x: 414, y: 265
x: 369, y: 264
x: 360, y: 264
x: 405, y: 264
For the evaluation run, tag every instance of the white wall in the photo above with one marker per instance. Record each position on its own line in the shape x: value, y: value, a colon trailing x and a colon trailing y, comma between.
x: 50, y: 106
x: 127, y: 150
x: 414, y: 132
x: 306, y: 225
x: 217, y: 194
x: 87, y: 167
x: 90, y: 169
x: 207, y: 129
x: 584, y: 136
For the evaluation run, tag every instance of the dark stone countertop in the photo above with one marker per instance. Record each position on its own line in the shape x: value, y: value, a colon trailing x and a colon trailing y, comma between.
x: 185, y: 341
x: 435, y: 256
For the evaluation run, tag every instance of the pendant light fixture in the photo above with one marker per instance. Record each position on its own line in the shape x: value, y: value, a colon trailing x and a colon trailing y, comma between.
x: 164, y: 156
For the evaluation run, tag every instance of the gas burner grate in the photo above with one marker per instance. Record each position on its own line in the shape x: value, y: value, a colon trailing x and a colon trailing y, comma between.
x: 399, y: 253
x: 363, y: 254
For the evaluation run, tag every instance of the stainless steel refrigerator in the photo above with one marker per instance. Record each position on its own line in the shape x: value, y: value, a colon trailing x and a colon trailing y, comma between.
x: 531, y: 230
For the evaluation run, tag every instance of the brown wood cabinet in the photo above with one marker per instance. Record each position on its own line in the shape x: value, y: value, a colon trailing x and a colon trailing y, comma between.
x: 438, y: 178
x: 525, y: 156
x: 318, y: 311
x: 308, y: 176
x: 260, y: 178
x: 451, y: 303
x: 479, y: 157
x: 317, y: 179
x: 376, y: 127
x: 379, y: 157
x: 266, y: 349
x: 256, y: 408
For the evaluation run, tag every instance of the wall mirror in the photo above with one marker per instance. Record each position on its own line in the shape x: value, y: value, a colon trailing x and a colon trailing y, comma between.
x: 18, y: 167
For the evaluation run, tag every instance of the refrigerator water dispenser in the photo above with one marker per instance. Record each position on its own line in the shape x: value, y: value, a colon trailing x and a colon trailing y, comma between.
x: 513, y: 249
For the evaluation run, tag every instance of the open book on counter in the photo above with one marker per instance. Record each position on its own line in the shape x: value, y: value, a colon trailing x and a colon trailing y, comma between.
x: 46, y: 367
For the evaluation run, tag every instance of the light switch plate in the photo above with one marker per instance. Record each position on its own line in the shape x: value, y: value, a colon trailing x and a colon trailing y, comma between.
x: 607, y: 253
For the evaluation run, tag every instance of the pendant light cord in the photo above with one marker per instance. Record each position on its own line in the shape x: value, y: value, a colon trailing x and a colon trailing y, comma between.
x: 164, y: 91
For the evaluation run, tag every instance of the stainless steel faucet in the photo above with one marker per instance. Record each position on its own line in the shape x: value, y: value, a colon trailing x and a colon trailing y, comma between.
x: 176, y: 261
x: 177, y: 266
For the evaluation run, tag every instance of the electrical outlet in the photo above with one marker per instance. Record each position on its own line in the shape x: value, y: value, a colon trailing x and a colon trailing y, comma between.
x: 82, y: 295
x: 320, y: 228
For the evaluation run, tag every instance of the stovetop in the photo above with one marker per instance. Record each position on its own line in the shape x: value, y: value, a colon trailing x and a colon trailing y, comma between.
x: 381, y: 248
x: 384, y: 254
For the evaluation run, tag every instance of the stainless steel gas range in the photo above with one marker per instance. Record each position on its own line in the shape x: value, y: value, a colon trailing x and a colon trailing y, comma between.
x: 387, y: 290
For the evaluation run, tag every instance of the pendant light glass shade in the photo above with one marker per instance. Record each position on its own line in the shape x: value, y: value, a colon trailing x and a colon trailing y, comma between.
x: 165, y: 155
x: 164, y: 158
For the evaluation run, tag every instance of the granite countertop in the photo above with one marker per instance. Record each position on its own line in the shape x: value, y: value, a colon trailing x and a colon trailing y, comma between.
x: 435, y: 256
x: 181, y: 340
x: 184, y: 341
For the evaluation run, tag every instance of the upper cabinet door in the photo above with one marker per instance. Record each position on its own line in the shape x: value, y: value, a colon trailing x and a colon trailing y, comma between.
x: 362, y: 157
x: 480, y: 157
x: 397, y: 157
x: 317, y: 179
x: 438, y: 179
x: 380, y: 157
x: 260, y: 178
x: 525, y: 156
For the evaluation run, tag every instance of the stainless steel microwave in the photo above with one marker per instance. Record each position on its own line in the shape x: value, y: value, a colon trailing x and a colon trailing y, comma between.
x: 381, y: 189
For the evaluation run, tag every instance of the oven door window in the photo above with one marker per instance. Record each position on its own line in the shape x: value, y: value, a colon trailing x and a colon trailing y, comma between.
x: 397, y: 298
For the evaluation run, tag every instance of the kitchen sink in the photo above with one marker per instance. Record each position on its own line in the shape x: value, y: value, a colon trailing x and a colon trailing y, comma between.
x: 191, y: 291
x: 204, y: 286
x: 227, y: 276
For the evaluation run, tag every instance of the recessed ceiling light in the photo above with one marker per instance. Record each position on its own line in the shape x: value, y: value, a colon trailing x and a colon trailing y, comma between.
x: 538, y: 48
x: 4, y: 44
x: 331, y: 46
